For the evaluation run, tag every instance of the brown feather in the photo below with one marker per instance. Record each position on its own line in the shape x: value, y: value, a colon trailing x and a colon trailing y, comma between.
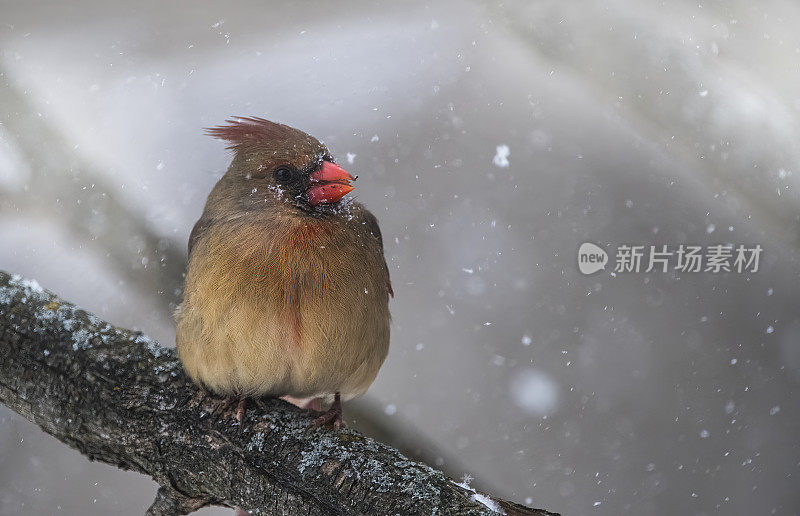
x: 278, y: 300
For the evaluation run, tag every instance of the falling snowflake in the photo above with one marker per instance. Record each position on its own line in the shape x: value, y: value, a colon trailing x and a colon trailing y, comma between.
x: 501, y: 156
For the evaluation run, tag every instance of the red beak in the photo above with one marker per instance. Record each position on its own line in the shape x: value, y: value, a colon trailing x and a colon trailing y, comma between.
x: 329, y: 183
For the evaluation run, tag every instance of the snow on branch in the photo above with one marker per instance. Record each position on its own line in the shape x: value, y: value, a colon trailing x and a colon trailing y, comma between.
x: 120, y: 398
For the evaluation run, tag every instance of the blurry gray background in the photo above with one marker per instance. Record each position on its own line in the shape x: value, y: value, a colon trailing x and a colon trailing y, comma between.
x: 626, y: 122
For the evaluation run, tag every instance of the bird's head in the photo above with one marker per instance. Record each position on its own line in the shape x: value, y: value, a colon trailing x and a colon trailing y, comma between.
x: 275, y: 162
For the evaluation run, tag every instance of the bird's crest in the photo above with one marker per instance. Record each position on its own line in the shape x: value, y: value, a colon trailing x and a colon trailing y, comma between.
x: 242, y: 132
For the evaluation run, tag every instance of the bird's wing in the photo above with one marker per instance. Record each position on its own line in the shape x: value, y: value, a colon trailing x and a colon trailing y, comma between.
x: 199, y: 229
x: 372, y: 225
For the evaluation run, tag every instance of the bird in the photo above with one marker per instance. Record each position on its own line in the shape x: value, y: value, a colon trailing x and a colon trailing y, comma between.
x: 287, y: 289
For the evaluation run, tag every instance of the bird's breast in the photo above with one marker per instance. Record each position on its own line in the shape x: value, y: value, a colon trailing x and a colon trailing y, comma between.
x: 303, y: 306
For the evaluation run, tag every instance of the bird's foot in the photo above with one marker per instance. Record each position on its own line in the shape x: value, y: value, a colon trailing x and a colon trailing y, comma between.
x: 333, y: 415
x: 240, y: 409
x: 223, y: 407
x: 219, y: 406
x: 198, y: 398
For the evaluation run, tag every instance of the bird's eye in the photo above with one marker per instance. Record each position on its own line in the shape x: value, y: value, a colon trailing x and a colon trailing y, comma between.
x: 283, y: 174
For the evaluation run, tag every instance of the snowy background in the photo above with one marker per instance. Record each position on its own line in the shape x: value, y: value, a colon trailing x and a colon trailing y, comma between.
x: 625, y: 122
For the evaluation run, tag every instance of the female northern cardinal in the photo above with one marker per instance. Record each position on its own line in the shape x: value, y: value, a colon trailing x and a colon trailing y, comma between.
x: 287, y: 290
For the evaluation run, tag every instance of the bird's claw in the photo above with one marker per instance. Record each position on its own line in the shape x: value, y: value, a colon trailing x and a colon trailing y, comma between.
x: 240, y: 409
x: 335, y: 418
x: 198, y: 398
x: 215, y: 406
x: 333, y: 415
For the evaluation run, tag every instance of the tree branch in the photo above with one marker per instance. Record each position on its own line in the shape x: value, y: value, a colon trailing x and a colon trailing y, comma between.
x: 119, y: 397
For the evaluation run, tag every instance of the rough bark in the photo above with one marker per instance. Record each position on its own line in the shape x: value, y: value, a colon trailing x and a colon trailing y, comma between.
x: 119, y: 397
